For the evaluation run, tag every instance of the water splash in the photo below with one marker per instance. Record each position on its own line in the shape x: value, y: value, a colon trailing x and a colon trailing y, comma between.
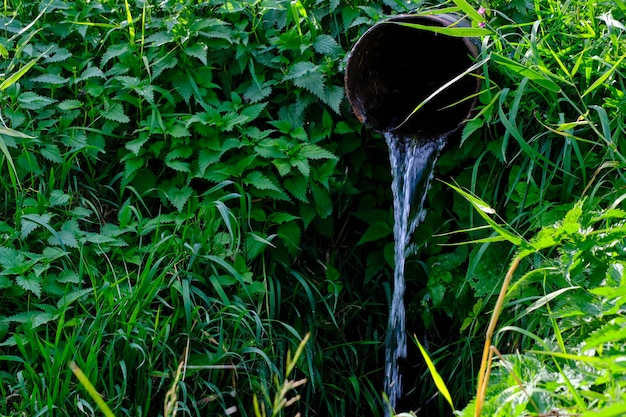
x: 412, y: 163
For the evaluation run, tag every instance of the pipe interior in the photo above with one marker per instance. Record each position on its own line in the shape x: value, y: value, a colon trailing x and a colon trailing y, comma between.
x: 393, y: 68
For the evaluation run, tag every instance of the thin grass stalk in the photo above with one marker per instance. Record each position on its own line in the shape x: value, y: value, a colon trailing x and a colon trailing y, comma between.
x: 485, y: 364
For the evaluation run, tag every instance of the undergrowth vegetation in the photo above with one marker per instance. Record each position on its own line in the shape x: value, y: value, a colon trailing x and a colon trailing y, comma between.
x: 192, y: 218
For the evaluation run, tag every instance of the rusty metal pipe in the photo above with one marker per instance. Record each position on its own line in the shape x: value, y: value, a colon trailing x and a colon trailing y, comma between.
x: 393, y: 68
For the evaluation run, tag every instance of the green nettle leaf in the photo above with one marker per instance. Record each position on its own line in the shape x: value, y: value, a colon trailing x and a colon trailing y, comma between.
x: 159, y: 38
x: 302, y: 165
x: 282, y: 217
x: 33, y: 101
x: 323, y: 203
x: 178, y: 131
x: 179, y: 196
x: 260, y: 181
x: 376, y: 231
x: 51, y: 79
x: 312, y: 82
x: 311, y: 151
x: 31, y: 222
x: 115, y: 112
x: 68, y: 277
x: 182, y: 84
x: 58, y: 198
x: 198, y: 51
x: 30, y: 283
x: 326, y: 45
x: 91, y: 72
x: 298, y: 187
x: 135, y: 145
x: 114, y: 51
x: 66, y: 105
x: 257, y: 92
x: 291, y: 234
x: 51, y: 152
x: 57, y: 54
x: 334, y: 96
x: 179, y: 166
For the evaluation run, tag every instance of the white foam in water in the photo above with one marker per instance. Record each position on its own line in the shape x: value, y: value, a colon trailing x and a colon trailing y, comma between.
x: 412, y: 163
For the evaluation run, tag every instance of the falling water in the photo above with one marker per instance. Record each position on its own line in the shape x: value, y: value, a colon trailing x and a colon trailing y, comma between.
x: 412, y: 163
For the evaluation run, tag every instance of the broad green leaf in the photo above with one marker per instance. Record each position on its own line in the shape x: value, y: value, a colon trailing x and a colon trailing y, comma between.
x: 70, y: 104
x: 298, y: 187
x: 291, y: 234
x: 51, y: 79
x: 33, y: 101
x: 312, y: 151
x: 179, y: 196
x: 199, y: 51
x: 326, y: 45
x: 32, y: 222
x: 115, y: 112
x: 260, y: 181
x: 30, y: 283
x: 312, y: 82
x: 376, y: 231
x: 323, y: 203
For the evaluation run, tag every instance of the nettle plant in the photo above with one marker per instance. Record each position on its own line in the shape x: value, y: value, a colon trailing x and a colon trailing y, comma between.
x: 155, y: 157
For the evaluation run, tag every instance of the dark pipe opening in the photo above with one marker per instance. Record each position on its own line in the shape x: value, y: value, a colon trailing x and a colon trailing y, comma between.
x: 393, y: 68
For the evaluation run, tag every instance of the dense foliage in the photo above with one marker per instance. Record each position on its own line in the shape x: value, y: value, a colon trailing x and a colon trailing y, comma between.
x: 184, y: 195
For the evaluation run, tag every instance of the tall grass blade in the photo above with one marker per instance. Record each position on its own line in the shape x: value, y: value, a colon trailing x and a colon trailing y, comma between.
x: 91, y: 390
x: 441, y: 385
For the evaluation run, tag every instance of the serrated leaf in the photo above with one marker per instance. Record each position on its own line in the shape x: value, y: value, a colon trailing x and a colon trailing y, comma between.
x: 70, y: 104
x: 113, y: 52
x: 260, y: 181
x: 312, y: 151
x: 33, y: 101
x: 376, y: 231
x: 91, y: 72
x: 312, y: 82
x: 253, y: 111
x: 282, y: 217
x: 30, y: 283
x: 57, y: 54
x: 298, y: 187
x: 135, y: 145
x: 51, y: 79
x: 72, y: 296
x: 179, y: 166
x: 159, y: 38
x: 291, y: 235
x: 52, y: 153
x: 178, y: 131
x: 323, y: 203
x: 334, y: 96
x: 178, y: 197
x: 326, y: 45
x: 257, y: 92
x: 63, y: 238
x: 300, y: 69
x: 181, y: 83
x: 302, y: 165
x: 31, y: 222
x: 68, y: 277
x: 115, y: 112
x: 58, y: 198
x: 198, y: 51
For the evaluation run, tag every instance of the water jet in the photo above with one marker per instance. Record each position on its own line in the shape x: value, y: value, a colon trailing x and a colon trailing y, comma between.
x: 413, y: 86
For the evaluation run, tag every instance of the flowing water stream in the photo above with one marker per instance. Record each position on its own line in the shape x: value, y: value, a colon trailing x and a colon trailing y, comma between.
x: 412, y: 163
